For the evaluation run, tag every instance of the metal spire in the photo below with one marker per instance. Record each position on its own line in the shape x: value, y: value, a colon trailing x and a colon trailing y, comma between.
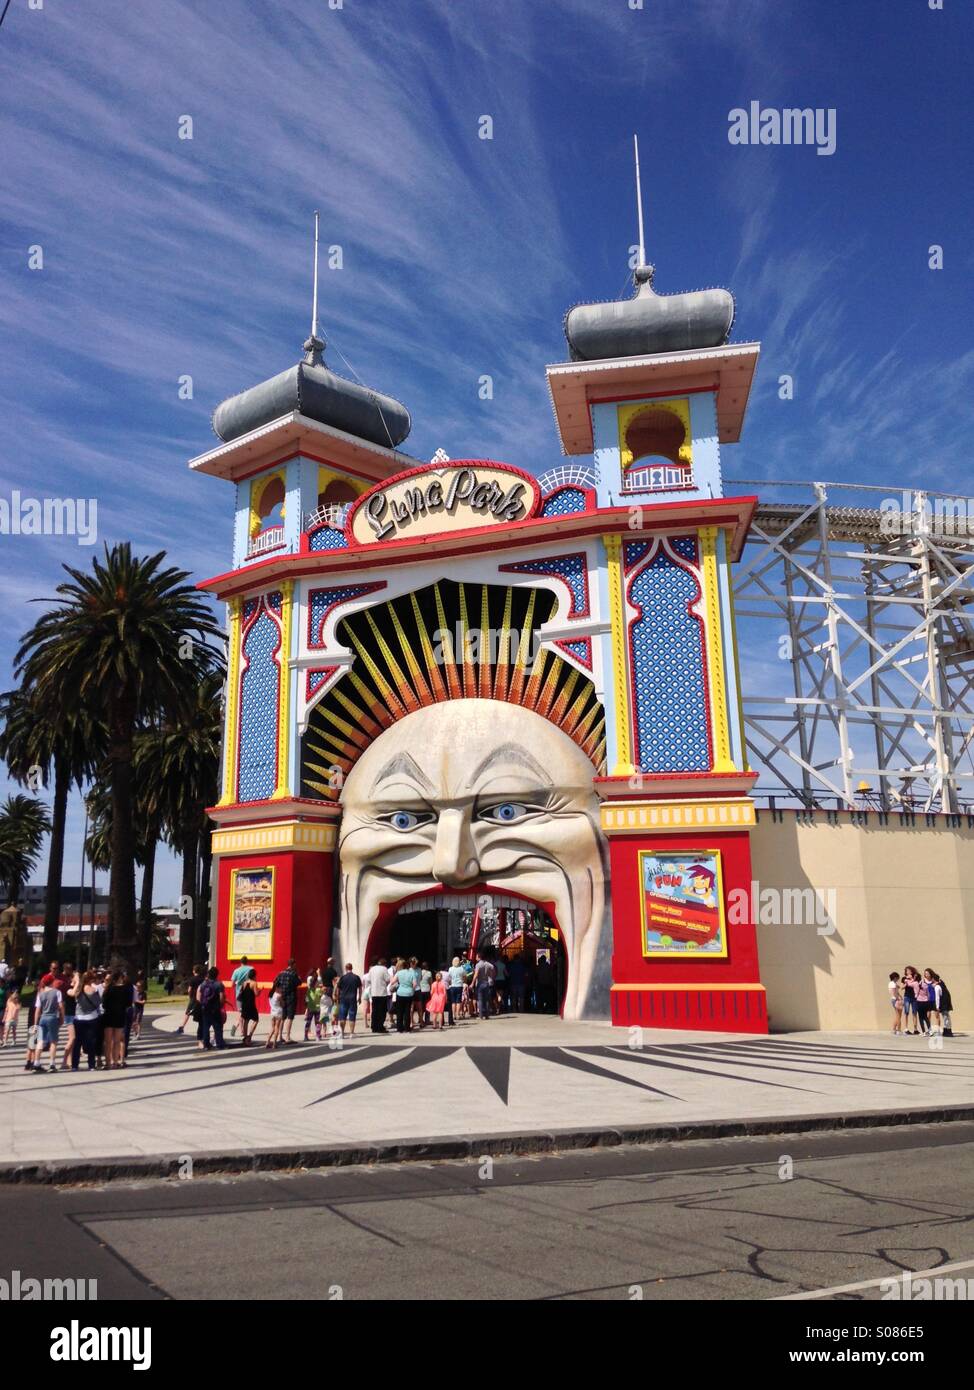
x: 314, y: 298
x: 315, y: 345
x: 639, y: 202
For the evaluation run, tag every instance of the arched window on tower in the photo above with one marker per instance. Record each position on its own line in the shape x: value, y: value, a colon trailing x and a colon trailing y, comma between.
x: 657, y: 455
x: 337, y: 493
x: 270, y: 506
x: 267, y: 514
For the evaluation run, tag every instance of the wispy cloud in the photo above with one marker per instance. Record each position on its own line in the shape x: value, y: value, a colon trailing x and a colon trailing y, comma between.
x: 167, y: 257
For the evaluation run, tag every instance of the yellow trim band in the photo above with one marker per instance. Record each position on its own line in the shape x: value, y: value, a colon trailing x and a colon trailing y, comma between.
x: 638, y: 817
x: 620, y: 666
x: 723, y: 762
x: 284, y: 694
x: 232, y: 719
x: 288, y: 834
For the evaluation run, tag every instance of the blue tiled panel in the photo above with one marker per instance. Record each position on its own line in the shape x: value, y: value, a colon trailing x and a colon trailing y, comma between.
x: 321, y: 601
x: 581, y: 651
x: 327, y: 538
x: 669, y: 677
x: 564, y: 502
x: 258, y: 712
x: 570, y: 568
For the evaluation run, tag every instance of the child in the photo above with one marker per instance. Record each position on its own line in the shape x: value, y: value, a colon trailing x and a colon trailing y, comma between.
x: 138, y: 1005
x: 437, y: 1001
x: 325, y: 1006
x: 277, y: 1018
x: 935, y: 992
x: 33, y: 1032
x: 946, y: 1005
x: 896, y: 999
x: 312, y: 1004
x: 11, y: 1013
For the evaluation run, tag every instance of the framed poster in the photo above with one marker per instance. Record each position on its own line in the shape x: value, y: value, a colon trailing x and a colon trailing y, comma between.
x: 682, y: 904
x: 251, y: 914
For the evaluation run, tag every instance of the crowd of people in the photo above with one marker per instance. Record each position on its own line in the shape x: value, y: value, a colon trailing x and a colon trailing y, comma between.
x: 94, y: 1012
x: 397, y: 994
x: 921, y: 1003
x: 98, y: 1013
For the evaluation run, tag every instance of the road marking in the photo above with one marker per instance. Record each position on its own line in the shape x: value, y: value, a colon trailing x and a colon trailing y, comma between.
x: 874, y: 1283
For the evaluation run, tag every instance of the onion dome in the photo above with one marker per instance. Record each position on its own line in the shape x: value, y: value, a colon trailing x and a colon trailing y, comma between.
x: 312, y: 389
x: 649, y: 323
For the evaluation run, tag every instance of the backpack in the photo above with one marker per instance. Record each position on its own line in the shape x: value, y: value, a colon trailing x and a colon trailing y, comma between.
x: 209, y: 993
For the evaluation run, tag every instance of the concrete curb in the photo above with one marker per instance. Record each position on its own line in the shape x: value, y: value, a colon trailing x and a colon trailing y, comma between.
x: 61, y: 1172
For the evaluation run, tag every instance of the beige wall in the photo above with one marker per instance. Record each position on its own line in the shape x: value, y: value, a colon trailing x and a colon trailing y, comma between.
x: 904, y: 895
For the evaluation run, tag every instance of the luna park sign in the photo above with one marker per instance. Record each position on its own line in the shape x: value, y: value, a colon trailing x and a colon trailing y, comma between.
x: 428, y: 501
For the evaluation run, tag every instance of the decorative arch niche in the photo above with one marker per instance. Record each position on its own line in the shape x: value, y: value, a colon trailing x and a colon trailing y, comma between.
x: 656, y: 446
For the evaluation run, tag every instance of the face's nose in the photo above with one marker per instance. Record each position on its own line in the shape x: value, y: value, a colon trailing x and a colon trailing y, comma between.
x: 454, y: 854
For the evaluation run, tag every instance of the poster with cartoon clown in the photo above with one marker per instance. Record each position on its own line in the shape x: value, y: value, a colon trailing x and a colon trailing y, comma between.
x: 682, y: 904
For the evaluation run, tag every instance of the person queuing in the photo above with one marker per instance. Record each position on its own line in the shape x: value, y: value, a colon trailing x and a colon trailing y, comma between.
x: 48, y: 1016
x: 349, y: 998
x: 192, y: 1007
x: 286, y: 983
x: 238, y: 977
x: 378, y: 977
x: 247, y: 992
x: 406, y: 979
x: 312, y: 1006
x: 87, y: 1010
x: 115, y: 1002
x: 212, y: 1000
x: 484, y: 980
x: 437, y: 1001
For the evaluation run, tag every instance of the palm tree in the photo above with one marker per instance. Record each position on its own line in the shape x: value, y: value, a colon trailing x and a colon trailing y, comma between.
x: 23, y: 824
x: 35, y: 740
x: 185, y: 758
x: 125, y: 638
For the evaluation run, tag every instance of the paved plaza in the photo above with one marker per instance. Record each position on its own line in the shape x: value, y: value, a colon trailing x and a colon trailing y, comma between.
x: 514, y: 1075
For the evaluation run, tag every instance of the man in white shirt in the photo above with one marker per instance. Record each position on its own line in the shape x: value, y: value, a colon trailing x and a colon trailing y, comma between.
x: 378, y: 981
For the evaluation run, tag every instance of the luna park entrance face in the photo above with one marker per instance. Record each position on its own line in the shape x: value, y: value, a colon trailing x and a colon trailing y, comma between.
x: 520, y: 938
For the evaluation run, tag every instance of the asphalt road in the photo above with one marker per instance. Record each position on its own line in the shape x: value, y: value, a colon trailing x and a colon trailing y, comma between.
x: 733, y: 1219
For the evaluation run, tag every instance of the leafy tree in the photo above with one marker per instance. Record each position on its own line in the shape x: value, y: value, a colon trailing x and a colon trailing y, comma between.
x: 128, y: 637
x: 36, y: 741
x: 24, y: 822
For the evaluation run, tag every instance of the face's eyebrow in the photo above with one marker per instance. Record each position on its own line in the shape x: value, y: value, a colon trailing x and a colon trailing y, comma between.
x: 513, y: 753
x: 404, y: 763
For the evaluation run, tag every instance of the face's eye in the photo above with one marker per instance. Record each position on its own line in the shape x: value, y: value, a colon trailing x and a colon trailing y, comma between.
x: 406, y: 820
x: 506, y: 812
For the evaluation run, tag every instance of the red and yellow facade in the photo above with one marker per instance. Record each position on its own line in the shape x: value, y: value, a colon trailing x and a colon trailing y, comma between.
x: 637, y: 662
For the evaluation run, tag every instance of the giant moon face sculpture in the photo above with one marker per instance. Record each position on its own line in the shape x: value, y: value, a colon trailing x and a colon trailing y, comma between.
x: 471, y: 795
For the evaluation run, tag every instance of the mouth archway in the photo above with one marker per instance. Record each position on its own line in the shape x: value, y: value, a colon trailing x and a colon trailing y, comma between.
x: 438, y: 923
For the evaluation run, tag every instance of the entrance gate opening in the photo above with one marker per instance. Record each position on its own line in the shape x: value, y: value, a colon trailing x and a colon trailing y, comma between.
x: 434, y: 929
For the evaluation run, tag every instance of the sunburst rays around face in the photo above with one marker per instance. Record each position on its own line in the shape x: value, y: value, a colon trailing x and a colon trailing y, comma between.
x: 449, y: 641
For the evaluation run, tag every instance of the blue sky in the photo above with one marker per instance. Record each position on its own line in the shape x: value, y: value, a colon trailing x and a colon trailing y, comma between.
x: 165, y: 257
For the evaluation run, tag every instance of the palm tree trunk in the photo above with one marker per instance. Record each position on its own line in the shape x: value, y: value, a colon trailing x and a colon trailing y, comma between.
x: 187, y: 924
x: 55, y: 861
x: 125, y: 942
x: 145, y: 907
